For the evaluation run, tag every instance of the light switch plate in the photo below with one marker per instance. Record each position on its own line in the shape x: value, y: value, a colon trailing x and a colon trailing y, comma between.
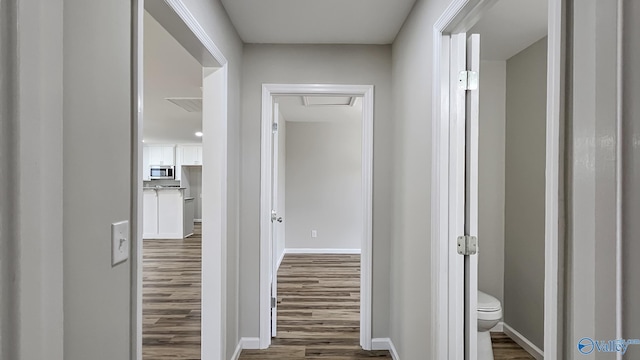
x: 119, y: 242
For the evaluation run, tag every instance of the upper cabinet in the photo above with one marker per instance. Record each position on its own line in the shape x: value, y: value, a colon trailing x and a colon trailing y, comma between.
x: 191, y: 155
x: 161, y: 154
x: 146, y: 174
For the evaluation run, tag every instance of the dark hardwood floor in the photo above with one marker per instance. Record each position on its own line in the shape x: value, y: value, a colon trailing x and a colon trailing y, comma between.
x: 506, y: 349
x: 171, y: 298
x: 318, y: 310
x: 318, y: 307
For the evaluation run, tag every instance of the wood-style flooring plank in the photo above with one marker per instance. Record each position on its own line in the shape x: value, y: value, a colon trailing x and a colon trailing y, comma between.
x: 506, y: 349
x: 318, y: 310
x: 171, y: 298
x: 318, y: 303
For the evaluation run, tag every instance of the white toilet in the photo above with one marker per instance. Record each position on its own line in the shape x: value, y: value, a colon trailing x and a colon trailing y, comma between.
x: 489, y: 314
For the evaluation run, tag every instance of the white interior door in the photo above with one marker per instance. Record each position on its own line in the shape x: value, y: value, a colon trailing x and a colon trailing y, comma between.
x: 471, y: 195
x: 276, y: 220
x: 463, y: 197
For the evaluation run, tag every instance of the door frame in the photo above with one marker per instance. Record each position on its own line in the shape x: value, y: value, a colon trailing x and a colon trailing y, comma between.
x: 269, y: 92
x: 459, y: 17
x: 178, y: 20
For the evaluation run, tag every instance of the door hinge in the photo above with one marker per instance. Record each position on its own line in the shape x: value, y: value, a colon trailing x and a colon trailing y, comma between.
x: 468, y: 80
x: 273, y: 303
x: 467, y: 245
x: 274, y: 127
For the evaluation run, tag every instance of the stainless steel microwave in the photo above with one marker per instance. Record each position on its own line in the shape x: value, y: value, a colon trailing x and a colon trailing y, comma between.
x: 161, y: 172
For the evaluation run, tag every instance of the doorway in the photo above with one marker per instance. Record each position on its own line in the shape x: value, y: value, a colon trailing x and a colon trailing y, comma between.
x: 269, y: 219
x: 178, y: 21
x: 456, y: 244
x: 317, y: 232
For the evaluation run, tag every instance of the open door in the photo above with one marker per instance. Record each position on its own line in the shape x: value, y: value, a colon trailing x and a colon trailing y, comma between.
x: 471, y: 197
x: 463, y: 216
x: 276, y: 220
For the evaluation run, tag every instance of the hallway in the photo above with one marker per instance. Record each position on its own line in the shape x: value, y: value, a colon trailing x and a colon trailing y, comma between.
x: 171, y: 298
x: 318, y: 310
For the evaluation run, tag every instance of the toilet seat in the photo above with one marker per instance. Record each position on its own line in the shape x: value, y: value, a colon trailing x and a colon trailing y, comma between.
x: 488, y: 303
x: 489, y: 308
x: 490, y: 315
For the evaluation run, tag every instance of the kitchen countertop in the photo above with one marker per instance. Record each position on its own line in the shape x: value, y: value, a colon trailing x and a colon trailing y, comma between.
x: 163, y: 188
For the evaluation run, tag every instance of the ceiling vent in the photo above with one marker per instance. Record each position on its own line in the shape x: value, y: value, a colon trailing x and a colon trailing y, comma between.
x: 329, y: 100
x: 188, y: 104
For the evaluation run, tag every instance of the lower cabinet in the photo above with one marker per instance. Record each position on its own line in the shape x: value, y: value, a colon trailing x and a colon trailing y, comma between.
x: 163, y: 214
x: 149, y: 214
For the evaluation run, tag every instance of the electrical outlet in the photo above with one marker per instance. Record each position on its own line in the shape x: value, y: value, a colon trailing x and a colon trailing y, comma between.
x: 314, y: 233
x: 119, y: 242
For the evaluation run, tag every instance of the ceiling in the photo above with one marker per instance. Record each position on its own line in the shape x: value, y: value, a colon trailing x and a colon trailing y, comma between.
x: 511, y: 26
x: 293, y: 109
x: 169, y: 72
x: 318, y: 21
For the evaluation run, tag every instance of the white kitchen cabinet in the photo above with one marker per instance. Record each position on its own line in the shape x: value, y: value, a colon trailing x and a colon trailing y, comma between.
x: 168, y: 155
x: 163, y: 213
x: 191, y: 155
x: 161, y: 154
x: 146, y: 172
x: 149, y: 214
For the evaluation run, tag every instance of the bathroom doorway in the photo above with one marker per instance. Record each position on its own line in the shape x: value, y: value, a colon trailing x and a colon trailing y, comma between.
x: 511, y: 177
x: 467, y: 165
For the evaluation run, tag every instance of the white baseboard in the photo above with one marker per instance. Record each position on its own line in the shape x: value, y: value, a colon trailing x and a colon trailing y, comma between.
x: 527, y: 345
x: 250, y: 343
x: 321, y: 251
x: 245, y: 343
x: 280, y: 259
x: 498, y: 328
x: 236, y: 354
x: 385, y: 344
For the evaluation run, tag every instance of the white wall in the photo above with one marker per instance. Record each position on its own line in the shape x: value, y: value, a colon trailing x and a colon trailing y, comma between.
x: 491, y: 167
x: 411, y: 323
x: 40, y: 179
x: 97, y: 121
x: 631, y: 190
x: 341, y: 64
x: 524, y: 237
x: 282, y: 187
x: 591, y: 219
x: 324, y: 185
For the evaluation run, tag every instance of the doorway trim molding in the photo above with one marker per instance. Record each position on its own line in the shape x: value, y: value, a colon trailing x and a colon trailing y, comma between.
x: 183, y: 25
x: 269, y: 91
x: 459, y: 17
